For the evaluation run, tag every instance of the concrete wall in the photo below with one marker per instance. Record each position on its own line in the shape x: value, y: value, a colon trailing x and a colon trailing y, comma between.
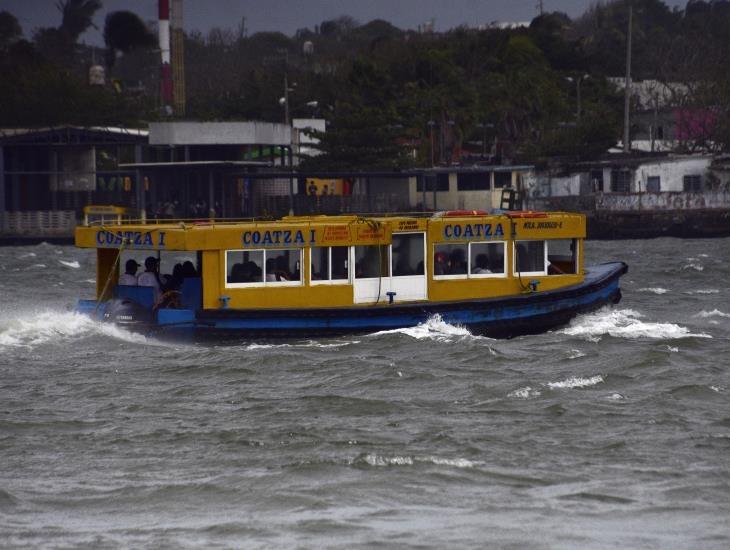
x: 453, y: 199
x: 670, y: 172
x: 219, y: 133
x: 556, y: 186
x: 662, y: 201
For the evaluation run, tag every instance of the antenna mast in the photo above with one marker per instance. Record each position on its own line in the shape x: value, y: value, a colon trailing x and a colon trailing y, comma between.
x: 627, y: 96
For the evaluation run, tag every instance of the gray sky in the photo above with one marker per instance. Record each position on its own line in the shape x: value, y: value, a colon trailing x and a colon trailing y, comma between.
x: 289, y: 15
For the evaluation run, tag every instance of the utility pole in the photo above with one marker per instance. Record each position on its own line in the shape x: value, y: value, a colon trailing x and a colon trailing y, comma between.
x: 540, y: 7
x: 627, y: 96
x: 286, y: 95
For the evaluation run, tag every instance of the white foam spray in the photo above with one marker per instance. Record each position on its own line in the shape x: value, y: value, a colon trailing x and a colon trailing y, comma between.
x: 74, y: 264
x: 576, y: 382
x: 624, y: 323
x: 435, y: 328
x: 654, y: 290
x: 714, y: 313
x: 33, y: 329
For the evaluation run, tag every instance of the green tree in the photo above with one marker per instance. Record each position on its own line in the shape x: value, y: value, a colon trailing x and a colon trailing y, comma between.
x: 125, y: 31
x: 10, y: 30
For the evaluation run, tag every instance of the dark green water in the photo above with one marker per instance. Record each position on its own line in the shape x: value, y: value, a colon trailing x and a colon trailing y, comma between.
x: 611, y: 433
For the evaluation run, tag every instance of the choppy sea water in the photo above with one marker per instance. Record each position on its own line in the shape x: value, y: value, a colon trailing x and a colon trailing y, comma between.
x: 611, y: 432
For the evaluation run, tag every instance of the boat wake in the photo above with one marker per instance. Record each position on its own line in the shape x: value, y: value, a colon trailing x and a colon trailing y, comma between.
x: 435, y: 328
x: 36, y: 328
x: 624, y: 323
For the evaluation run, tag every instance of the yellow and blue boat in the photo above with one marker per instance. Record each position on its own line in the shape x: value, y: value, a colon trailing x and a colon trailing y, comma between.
x: 495, y: 274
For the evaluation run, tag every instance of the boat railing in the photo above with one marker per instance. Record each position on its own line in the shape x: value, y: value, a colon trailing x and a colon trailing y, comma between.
x: 255, y: 219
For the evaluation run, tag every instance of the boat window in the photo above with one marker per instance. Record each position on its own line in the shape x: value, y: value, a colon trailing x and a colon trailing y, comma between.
x: 450, y: 260
x: 486, y: 259
x: 340, y: 262
x: 283, y: 265
x: 407, y: 254
x: 530, y: 257
x: 244, y: 266
x: 562, y: 256
x: 371, y: 261
x: 320, y: 260
x: 330, y: 263
x: 270, y: 267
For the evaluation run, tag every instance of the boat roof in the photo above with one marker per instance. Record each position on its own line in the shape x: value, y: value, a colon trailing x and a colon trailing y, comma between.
x: 320, y: 230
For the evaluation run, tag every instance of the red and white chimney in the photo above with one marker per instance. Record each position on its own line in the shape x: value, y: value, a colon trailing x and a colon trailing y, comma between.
x: 164, y: 38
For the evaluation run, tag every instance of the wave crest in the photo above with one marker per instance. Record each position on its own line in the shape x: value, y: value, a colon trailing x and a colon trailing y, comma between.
x: 372, y: 459
x: 654, y: 290
x: 576, y: 382
x: 34, y: 329
x: 434, y: 328
x: 624, y: 323
x: 714, y: 313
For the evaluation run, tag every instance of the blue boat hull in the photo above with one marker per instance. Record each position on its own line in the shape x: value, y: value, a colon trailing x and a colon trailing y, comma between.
x: 496, y: 317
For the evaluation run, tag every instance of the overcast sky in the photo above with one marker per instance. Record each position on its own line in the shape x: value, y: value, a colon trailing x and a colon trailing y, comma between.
x: 289, y: 15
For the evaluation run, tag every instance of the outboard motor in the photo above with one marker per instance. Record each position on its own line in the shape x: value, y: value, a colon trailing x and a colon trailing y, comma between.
x: 128, y: 314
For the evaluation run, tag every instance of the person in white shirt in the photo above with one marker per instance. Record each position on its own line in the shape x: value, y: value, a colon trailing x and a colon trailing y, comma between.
x: 150, y: 277
x: 482, y: 265
x: 129, y: 277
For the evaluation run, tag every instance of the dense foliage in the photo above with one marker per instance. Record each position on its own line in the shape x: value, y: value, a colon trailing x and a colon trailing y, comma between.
x: 515, y: 93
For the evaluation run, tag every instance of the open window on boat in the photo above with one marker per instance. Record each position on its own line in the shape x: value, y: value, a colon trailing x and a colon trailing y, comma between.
x: 530, y: 258
x: 372, y: 261
x: 407, y: 254
x: 450, y: 261
x: 330, y: 264
x: 275, y: 267
x: 487, y: 259
x: 562, y: 255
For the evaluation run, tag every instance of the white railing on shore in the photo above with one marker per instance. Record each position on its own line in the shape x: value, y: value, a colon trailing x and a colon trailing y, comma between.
x: 668, y: 200
x: 39, y: 223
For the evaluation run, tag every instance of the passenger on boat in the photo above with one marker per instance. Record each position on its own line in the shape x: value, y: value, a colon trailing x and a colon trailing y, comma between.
x: 271, y: 270
x: 129, y: 277
x: 174, y: 281
x: 237, y: 274
x: 554, y: 269
x: 440, y: 263
x: 249, y: 272
x: 282, y: 269
x: 481, y: 265
x: 188, y: 270
x: 150, y: 276
x: 457, y: 263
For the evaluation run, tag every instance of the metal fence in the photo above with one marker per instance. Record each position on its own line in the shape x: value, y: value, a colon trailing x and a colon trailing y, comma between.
x: 39, y: 223
x: 277, y: 206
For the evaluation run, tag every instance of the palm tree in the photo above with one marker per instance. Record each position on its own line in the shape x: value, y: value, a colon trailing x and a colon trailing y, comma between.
x: 77, y: 16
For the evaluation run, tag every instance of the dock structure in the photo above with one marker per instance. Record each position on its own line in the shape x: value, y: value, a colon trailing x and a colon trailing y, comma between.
x: 233, y: 170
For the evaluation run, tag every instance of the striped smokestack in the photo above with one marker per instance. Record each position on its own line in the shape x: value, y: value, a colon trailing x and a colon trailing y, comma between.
x: 164, y: 35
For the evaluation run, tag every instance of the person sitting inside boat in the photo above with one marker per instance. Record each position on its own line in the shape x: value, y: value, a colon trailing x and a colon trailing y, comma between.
x: 481, y: 265
x: 439, y: 263
x: 188, y: 270
x: 276, y: 269
x: 129, y: 277
x: 174, y: 281
x: 457, y: 263
x: 150, y: 276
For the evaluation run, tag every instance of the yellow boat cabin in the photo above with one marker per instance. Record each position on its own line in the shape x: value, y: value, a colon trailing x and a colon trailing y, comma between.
x: 325, y: 272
